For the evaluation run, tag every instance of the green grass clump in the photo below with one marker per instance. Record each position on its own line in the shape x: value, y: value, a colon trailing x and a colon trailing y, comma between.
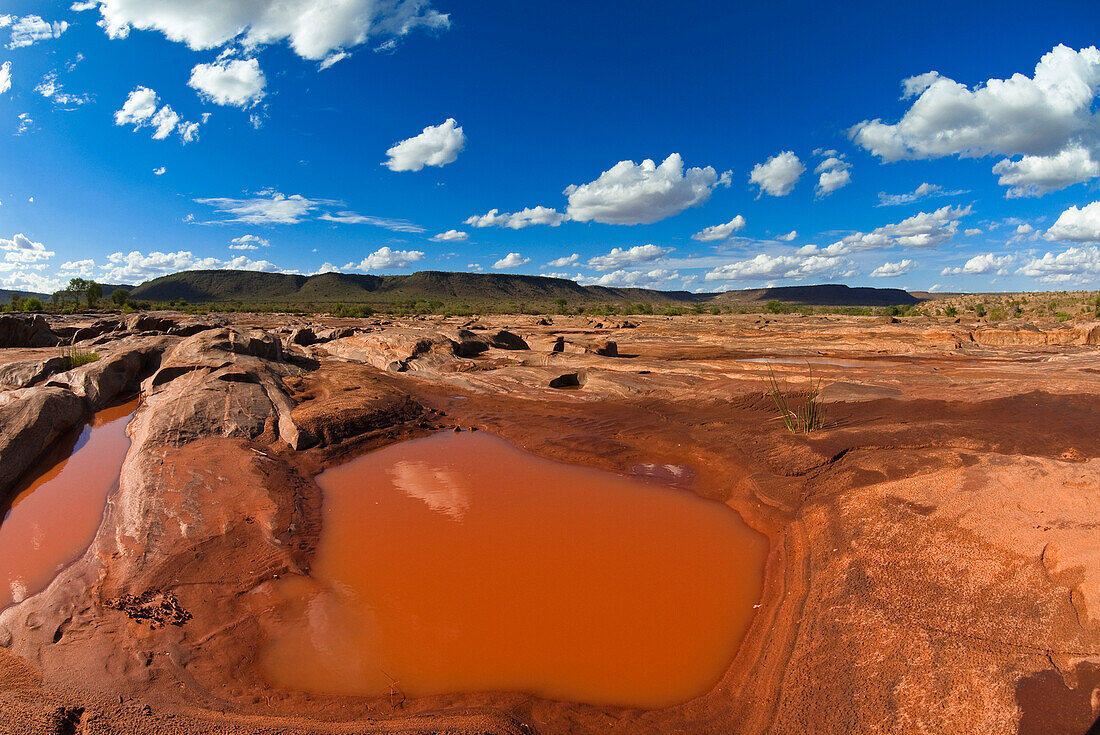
x: 799, y: 414
x: 74, y: 358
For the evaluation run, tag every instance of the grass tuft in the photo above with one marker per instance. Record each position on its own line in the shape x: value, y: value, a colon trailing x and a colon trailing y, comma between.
x: 799, y: 414
x: 75, y: 358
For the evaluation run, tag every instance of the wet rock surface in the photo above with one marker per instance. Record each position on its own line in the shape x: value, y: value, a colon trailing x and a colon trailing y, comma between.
x: 933, y: 564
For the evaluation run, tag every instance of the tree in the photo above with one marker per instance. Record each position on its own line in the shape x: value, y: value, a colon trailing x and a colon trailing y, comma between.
x: 32, y: 304
x: 120, y: 296
x: 93, y: 293
x: 80, y: 288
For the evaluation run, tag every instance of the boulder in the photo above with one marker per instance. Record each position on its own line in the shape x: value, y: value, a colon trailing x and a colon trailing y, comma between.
x: 30, y: 425
x: 149, y: 323
x: 109, y: 377
x: 26, y: 373
x: 201, y: 404
x: 604, y: 347
x: 95, y: 329
x: 344, y: 400
x: 569, y: 380
x: 468, y: 344
x: 505, y: 340
x: 190, y: 327
x: 26, y: 331
x: 396, y: 350
x: 303, y: 337
x: 219, y: 344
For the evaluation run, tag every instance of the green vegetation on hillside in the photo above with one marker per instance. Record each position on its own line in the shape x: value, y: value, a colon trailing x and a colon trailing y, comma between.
x: 1036, y: 306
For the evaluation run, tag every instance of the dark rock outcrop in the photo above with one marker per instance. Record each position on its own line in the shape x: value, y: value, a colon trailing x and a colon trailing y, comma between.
x: 26, y: 331
x: 505, y: 340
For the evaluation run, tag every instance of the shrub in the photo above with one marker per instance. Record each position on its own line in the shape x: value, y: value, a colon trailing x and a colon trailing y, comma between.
x: 807, y: 416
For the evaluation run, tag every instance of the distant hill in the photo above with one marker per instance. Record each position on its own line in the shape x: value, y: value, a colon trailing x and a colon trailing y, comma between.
x: 823, y: 295
x: 5, y: 295
x: 251, y: 287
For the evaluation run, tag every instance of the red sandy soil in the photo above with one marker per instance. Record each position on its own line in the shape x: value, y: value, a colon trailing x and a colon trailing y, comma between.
x: 934, y: 565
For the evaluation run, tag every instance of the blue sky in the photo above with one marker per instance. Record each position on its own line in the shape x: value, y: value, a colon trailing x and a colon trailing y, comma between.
x: 863, y: 143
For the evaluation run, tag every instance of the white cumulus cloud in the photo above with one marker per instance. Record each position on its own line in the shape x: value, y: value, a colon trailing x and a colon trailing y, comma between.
x: 1074, y: 265
x: 436, y: 146
x: 164, y: 122
x: 982, y: 264
x: 21, y: 249
x: 232, y: 82
x: 518, y: 220
x: 5, y: 77
x: 385, y: 257
x: 140, y: 110
x: 139, y: 107
x: 511, y: 260
x: 1033, y: 176
x: 451, y: 236
x: 764, y: 267
x: 631, y: 194
x: 135, y: 266
x: 789, y: 236
x: 622, y: 258
x: 1076, y: 225
x: 1046, y: 118
x: 658, y: 278
x: 248, y: 242
x: 893, y: 270
x: 833, y: 173
x: 922, y: 230
x: 315, y: 29
x: 777, y: 175
x: 720, y: 232
x: 565, y: 261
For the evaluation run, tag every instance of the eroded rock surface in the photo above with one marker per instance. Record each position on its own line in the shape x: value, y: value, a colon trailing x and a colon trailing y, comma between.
x: 933, y: 563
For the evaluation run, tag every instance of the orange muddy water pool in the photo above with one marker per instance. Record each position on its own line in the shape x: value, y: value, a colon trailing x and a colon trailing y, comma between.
x: 459, y: 563
x: 53, y: 520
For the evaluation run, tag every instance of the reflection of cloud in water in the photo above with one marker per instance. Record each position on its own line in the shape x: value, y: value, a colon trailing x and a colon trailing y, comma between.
x: 440, y: 489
